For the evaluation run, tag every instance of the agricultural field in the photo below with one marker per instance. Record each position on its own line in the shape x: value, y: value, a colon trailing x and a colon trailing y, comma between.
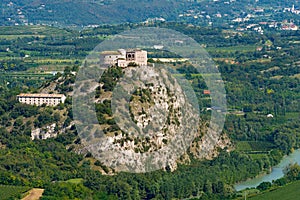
x: 12, y: 79
x: 12, y: 192
x: 254, y: 146
x: 244, y: 48
x: 30, y: 55
x: 288, y: 192
x: 31, y: 31
x: 75, y: 181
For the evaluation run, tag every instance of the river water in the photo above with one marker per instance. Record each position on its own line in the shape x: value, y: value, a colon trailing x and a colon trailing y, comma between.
x: 276, y: 173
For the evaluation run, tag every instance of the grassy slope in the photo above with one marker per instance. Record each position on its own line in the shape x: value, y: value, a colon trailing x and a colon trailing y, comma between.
x: 288, y: 192
x: 7, y: 191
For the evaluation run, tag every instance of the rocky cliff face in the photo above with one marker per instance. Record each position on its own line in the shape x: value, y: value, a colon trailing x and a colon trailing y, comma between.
x: 207, y: 146
x: 156, y: 124
x: 147, y: 122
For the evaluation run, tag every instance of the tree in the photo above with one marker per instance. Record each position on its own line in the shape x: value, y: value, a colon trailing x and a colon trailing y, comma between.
x: 292, y: 172
x: 264, y: 186
x: 281, y: 181
x: 207, y: 187
x: 56, y: 117
x: 284, y: 140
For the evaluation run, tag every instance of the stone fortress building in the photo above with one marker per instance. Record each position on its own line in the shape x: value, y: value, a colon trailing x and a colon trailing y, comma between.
x: 123, y: 58
x: 40, y: 99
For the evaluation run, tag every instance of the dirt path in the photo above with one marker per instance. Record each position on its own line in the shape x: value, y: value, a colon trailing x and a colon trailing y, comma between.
x: 34, y: 194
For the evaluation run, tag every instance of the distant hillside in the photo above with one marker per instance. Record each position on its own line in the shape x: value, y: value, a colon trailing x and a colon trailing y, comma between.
x: 87, y: 12
x: 82, y: 13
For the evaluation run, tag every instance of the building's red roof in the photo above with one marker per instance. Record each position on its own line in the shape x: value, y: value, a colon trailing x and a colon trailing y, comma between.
x: 206, y: 91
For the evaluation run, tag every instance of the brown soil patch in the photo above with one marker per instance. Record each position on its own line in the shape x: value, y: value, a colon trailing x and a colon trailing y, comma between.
x: 34, y: 194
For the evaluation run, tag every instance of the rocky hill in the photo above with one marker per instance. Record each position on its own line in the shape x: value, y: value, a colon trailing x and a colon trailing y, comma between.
x: 161, y: 122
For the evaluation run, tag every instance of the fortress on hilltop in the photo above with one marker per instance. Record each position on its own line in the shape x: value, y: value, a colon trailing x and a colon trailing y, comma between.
x: 123, y: 58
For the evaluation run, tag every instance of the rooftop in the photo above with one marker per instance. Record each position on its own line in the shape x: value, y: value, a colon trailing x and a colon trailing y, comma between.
x: 41, y: 95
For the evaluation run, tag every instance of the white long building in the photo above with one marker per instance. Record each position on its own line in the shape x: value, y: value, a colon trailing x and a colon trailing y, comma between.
x: 123, y: 57
x: 40, y: 99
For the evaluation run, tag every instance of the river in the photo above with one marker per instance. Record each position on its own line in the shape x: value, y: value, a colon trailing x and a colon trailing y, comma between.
x: 276, y: 173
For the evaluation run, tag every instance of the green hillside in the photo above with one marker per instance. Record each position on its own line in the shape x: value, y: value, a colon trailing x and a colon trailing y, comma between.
x: 11, y: 192
x: 288, y: 192
x: 86, y: 12
x: 79, y: 13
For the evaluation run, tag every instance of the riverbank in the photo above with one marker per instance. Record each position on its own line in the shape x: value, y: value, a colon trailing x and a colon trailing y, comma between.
x: 276, y: 172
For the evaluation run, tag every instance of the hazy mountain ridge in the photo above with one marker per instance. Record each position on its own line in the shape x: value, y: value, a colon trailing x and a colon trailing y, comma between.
x: 82, y: 13
x: 88, y: 12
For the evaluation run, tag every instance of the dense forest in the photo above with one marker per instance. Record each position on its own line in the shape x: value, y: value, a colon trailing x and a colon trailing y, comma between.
x: 260, y: 79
